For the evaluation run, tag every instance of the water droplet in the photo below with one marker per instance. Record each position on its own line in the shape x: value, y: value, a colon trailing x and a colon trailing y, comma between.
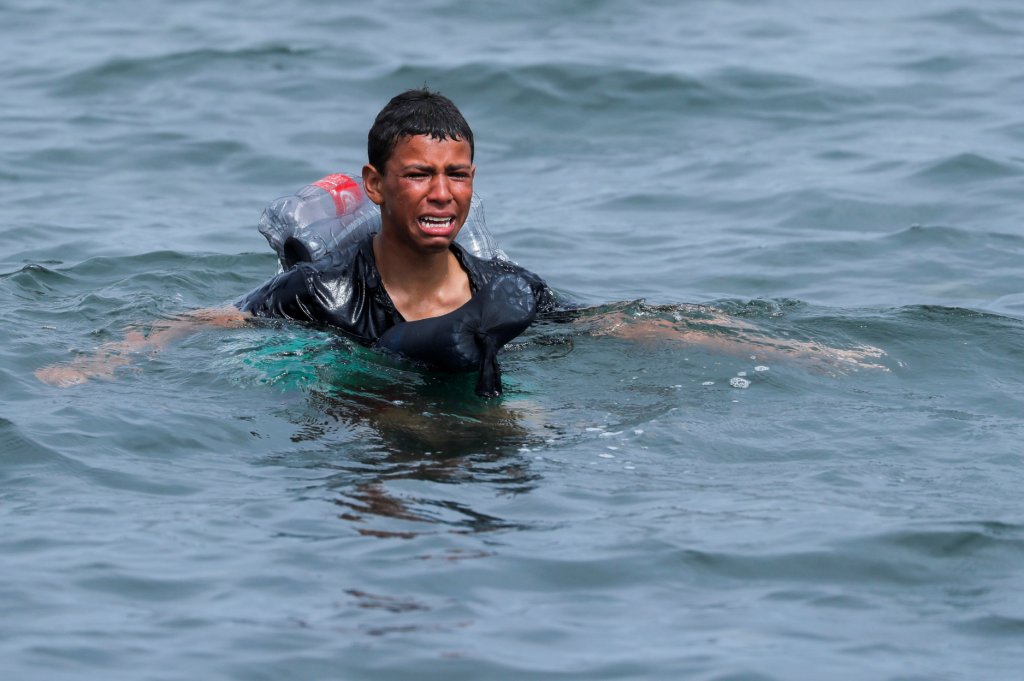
x: 741, y: 383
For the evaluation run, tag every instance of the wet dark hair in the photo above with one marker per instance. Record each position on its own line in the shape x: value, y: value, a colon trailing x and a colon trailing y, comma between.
x: 415, y: 112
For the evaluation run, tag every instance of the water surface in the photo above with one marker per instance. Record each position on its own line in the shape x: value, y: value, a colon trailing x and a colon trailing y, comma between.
x: 272, y: 503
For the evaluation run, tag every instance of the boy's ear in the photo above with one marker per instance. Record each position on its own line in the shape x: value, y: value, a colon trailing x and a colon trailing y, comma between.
x: 372, y: 181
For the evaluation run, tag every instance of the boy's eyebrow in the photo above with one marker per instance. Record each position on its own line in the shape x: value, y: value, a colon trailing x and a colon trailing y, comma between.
x: 430, y: 168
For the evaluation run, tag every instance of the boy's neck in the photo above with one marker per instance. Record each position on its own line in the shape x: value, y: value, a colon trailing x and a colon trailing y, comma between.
x: 420, y: 283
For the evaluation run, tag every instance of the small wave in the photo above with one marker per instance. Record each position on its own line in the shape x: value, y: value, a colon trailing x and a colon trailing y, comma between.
x: 1014, y: 131
x: 120, y: 73
x: 111, y: 266
x: 114, y: 291
x: 20, y: 450
x: 945, y: 235
x: 948, y: 313
x: 965, y: 168
x: 782, y: 92
x: 916, y: 264
x: 571, y: 87
x: 807, y: 567
x: 550, y: 84
x: 818, y: 209
x: 112, y: 583
x: 974, y: 21
x: 906, y: 558
x: 1010, y: 304
x: 954, y: 542
x: 35, y: 277
x: 993, y: 625
x: 939, y: 65
x: 169, y: 150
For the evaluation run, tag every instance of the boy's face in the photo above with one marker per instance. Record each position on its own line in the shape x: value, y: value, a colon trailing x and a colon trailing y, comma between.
x: 425, y: 194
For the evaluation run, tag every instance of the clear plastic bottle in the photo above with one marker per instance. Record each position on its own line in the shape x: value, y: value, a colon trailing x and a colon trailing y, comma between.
x: 334, y: 212
x: 285, y: 220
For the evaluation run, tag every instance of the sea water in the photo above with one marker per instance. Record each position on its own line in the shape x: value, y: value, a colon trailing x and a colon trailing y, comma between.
x: 275, y: 503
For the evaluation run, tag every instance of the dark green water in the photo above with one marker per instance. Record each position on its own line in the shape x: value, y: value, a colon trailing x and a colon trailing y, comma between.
x: 272, y: 503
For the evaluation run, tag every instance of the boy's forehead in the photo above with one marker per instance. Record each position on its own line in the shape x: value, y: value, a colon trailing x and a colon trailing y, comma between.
x: 426, y: 146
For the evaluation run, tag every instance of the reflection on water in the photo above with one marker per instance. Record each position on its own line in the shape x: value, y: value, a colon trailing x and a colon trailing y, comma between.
x: 400, y: 437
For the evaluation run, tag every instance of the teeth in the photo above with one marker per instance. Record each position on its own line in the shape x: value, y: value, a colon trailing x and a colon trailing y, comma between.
x: 435, y: 221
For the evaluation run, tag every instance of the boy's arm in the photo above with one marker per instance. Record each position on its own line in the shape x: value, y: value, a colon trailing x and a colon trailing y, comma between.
x: 285, y: 295
x: 110, y: 356
x: 721, y: 333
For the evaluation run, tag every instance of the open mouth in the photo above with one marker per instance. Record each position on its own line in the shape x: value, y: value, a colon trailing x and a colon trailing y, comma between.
x: 437, y: 226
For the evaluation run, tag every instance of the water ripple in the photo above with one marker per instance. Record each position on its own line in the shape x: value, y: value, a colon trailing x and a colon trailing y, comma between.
x: 126, y: 73
x: 968, y: 168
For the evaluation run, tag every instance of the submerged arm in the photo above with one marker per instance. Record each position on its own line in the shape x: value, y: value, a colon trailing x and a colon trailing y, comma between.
x: 108, y: 357
x: 719, y: 332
